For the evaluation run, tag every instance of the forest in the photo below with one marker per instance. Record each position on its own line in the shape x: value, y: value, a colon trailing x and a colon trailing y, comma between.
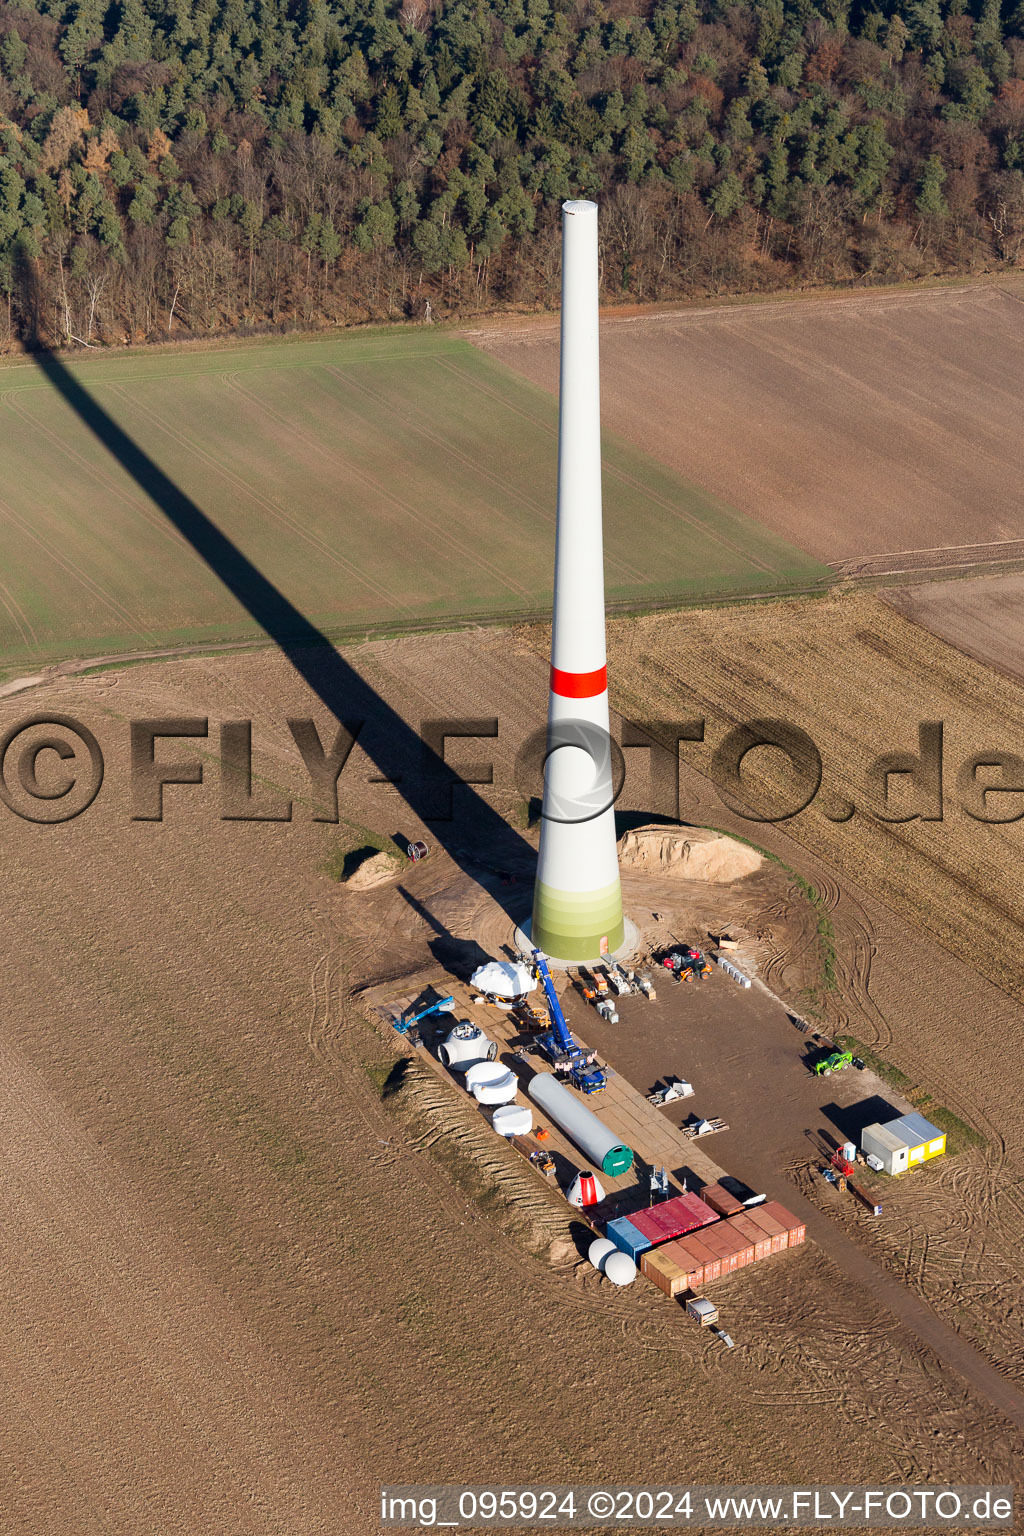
x: 190, y: 167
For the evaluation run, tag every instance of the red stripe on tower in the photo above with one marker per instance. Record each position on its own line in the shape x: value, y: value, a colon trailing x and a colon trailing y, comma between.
x: 579, y: 685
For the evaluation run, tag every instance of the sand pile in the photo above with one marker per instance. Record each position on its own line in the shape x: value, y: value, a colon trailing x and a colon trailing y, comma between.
x: 687, y: 853
x: 376, y: 870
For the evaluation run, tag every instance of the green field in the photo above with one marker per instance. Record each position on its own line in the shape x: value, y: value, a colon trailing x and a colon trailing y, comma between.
x: 377, y: 480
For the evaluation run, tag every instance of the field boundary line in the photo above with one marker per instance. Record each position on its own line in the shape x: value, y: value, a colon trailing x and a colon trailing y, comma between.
x: 368, y: 632
x: 610, y: 470
x: 122, y: 353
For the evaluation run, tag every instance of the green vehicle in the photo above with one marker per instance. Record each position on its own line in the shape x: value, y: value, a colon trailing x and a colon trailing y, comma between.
x: 837, y: 1062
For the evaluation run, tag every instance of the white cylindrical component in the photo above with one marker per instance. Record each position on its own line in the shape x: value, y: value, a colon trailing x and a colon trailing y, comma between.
x: 599, y: 1250
x: 513, y: 1120
x: 481, y: 1071
x: 465, y: 1046
x: 496, y: 1090
x: 577, y: 897
x: 619, y: 1268
x: 580, y: 1124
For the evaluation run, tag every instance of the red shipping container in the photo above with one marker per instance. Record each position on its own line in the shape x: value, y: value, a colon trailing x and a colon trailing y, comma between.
x: 712, y: 1266
x: 724, y: 1254
x: 720, y: 1200
x: 761, y: 1241
x: 645, y: 1224
x: 701, y: 1252
x: 745, y: 1249
x: 745, y: 1254
x: 727, y: 1238
x: 714, y: 1241
x: 731, y: 1248
x: 796, y: 1229
x: 673, y: 1218
x: 701, y: 1255
x: 687, y: 1261
x: 693, y: 1203
x: 769, y: 1224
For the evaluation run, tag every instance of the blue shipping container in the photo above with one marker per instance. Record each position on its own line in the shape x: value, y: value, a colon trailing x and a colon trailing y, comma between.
x: 627, y: 1237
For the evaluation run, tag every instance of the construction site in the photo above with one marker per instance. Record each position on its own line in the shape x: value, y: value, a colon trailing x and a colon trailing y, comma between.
x: 595, y: 1079
x: 613, y: 1111
x: 487, y: 1124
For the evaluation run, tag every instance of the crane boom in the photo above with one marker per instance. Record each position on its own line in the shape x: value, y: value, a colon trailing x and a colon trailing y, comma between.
x: 563, y: 1051
x: 559, y: 1028
x: 440, y: 1005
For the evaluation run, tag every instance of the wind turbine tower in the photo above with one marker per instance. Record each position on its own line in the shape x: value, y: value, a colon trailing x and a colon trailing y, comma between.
x: 577, y: 899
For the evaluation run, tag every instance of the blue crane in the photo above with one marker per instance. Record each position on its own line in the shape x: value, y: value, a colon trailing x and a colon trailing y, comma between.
x: 441, y: 1005
x: 566, y: 1055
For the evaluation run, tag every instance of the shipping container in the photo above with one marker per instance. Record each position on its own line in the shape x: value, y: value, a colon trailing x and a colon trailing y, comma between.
x: 698, y: 1262
x: 745, y: 1254
x: 695, y: 1278
x: 703, y: 1212
x: 796, y: 1229
x: 709, y: 1239
x: 668, y: 1268
x: 778, y: 1236
x: 761, y: 1241
x: 763, y: 1218
x: 702, y: 1255
x: 720, y: 1200
x: 626, y: 1237
x: 707, y: 1266
x: 729, y: 1247
x: 673, y: 1218
x: 653, y: 1231
x: 657, y: 1226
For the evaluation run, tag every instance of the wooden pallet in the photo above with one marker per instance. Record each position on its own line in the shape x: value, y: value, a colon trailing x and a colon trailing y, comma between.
x: 713, y: 1124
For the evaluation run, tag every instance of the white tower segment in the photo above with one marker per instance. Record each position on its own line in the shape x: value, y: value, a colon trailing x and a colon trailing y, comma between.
x: 577, y: 901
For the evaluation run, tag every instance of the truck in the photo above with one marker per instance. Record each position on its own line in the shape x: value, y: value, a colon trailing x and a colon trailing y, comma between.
x: 838, y: 1061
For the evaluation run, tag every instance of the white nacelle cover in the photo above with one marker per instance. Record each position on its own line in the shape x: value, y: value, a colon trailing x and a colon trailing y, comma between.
x: 513, y: 1120
x: 504, y: 978
x: 599, y: 1250
x: 490, y: 1082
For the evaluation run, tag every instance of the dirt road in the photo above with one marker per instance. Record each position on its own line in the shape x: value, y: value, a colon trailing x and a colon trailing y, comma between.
x: 747, y: 1064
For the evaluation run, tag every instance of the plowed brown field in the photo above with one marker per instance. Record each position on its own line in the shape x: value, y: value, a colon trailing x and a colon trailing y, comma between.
x: 240, y: 1292
x: 855, y: 426
x: 859, y: 680
x: 981, y: 616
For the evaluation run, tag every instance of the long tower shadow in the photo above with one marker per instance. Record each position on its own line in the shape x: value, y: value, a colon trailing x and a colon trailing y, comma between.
x: 479, y: 836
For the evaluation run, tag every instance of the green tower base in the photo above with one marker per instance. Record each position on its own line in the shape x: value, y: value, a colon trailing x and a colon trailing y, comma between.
x: 572, y: 924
